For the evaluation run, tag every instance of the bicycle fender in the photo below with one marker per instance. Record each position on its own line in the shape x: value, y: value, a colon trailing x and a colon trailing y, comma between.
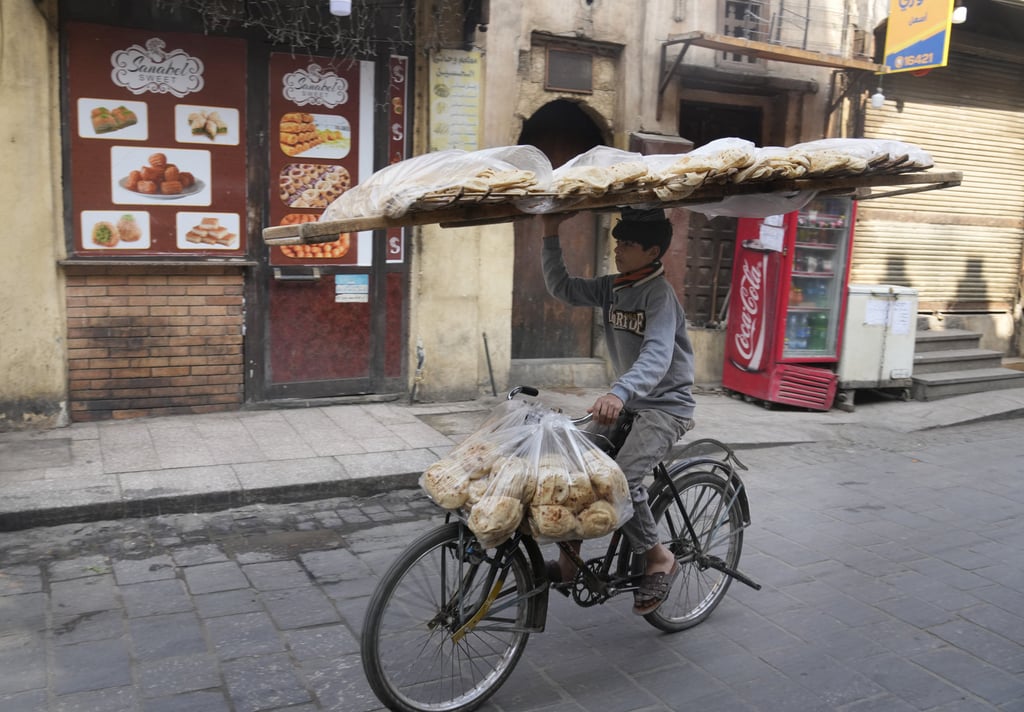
x: 730, y: 475
x: 538, y: 567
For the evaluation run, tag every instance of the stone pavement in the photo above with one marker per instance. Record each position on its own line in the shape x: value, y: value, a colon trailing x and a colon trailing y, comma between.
x: 148, y: 466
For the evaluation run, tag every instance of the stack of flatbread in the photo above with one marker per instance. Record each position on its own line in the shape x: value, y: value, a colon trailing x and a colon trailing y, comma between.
x: 596, y: 181
x: 831, y: 157
x: 510, y: 182
x: 715, y: 162
x: 774, y: 163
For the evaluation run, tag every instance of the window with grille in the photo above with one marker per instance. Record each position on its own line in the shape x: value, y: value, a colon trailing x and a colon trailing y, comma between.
x: 746, y: 19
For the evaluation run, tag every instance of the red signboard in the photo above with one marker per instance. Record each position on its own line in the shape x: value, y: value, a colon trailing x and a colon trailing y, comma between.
x: 157, y: 143
x: 314, y: 149
x: 398, y: 87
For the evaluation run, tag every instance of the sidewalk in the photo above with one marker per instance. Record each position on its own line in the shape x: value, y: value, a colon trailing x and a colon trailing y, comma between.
x: 150, y: 466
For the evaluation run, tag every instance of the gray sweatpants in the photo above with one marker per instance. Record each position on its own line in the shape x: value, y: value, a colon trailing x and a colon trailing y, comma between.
x: 653, y: 433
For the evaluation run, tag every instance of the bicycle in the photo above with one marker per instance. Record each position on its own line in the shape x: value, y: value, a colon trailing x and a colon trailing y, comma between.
x: 449, y: 620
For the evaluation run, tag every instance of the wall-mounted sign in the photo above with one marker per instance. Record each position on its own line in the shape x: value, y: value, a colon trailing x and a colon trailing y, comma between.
x: 158, y: 162
x: 455, y: 100
x: 351, y: 288
x: 917, y: 34
x: 398, y: 90
x: 153, y: 69
x: 312, y: 86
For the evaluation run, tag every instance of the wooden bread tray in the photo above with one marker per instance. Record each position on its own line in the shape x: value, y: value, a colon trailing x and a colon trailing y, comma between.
x: 464, y: 211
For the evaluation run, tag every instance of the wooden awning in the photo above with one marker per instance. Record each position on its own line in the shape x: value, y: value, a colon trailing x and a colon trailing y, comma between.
x: 761, y: 50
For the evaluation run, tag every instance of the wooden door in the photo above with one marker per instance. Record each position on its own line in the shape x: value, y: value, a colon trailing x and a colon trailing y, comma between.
x: 543, y: 327
x: 711, y: 241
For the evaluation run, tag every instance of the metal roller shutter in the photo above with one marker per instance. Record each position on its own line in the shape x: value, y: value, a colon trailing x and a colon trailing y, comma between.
x: 959, y: 247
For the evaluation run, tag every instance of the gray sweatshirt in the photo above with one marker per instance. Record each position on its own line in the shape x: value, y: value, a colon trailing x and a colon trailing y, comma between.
x: 645, y: 329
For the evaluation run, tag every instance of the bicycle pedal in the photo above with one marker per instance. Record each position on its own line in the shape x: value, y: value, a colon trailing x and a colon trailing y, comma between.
x: 561, y: 587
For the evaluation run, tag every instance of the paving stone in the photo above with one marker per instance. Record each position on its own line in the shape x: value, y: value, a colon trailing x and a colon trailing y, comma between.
x: 266, y: 682
x: 201, y: 701
x: 177, y: 674
x: 243, y: 635
x: 95, y: 665
x: 164, y: 636
x: 211, y: 578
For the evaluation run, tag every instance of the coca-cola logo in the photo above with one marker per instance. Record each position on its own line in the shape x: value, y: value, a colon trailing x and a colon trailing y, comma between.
x: 750, y: 335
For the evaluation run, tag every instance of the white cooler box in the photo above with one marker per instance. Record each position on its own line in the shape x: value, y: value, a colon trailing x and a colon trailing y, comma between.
x: 878, y: 339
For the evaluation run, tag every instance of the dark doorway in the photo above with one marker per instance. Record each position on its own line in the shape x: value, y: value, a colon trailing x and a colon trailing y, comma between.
x: 711, y: 241
x: 543, y: 327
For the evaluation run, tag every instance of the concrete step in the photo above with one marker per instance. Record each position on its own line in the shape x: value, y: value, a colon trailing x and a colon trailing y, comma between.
x: 933, y: 386
x: 945, y: 340
x: 560, y: 372
x: 956, y: 360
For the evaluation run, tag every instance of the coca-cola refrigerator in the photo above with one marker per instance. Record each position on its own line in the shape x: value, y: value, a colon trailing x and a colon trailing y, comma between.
x: 787, y: 303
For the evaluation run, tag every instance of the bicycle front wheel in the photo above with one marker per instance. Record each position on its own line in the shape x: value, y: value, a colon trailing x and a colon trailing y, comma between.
x: 713, y: 511
x: 442, y: 631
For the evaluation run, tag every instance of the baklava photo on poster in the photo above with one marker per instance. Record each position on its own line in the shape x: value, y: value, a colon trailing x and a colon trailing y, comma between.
x: 209, y: 125
x: 158, y: 176
x: 115, y: 230
x: 207, y: 230
x: 113, y: 119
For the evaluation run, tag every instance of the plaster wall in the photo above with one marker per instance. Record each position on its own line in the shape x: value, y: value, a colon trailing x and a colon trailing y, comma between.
x: 462, y: 279
x: 32, y: 349
x: 462, y: 289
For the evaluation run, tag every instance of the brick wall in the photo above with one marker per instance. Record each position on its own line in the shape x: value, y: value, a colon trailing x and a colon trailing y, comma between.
x: 150, y: 340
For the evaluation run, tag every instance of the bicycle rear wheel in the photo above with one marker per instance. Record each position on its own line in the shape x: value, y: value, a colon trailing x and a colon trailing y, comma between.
x: 713, y: 510
x: 438, y: 636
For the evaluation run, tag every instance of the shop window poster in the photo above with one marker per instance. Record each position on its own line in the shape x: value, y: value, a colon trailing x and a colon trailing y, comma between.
x: 315, y: 109
x: 157, y: 154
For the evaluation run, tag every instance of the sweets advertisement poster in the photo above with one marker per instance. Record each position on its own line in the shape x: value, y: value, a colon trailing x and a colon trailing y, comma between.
x: 157, y: 147
x: 314, y: 150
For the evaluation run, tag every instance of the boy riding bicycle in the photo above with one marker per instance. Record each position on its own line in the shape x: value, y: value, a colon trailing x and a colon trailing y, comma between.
x: 645, y: 330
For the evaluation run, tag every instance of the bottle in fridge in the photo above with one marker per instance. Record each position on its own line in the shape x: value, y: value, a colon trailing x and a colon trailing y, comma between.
x: 787, y: 303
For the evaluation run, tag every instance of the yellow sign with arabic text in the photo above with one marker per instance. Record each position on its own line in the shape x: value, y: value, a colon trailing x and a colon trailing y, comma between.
x: 917, y: 36
x: 455, y: 99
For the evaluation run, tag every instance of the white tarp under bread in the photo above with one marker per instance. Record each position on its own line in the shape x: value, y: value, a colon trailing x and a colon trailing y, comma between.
x: 528, y: 466
x: 393, y: 190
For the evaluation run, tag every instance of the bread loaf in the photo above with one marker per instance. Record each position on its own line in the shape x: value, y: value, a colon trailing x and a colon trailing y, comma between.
x: 494, y: 518
x: 447, y: 483
x: 554, y: 521
x: 597, y: 520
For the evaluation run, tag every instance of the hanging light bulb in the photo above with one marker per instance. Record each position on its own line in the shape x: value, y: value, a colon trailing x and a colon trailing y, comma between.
x: 878, y: 99
x: 959, y: 14
x: 342, y: 8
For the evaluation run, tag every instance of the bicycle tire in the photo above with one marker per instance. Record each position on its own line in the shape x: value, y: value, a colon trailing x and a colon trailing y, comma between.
x: 717, y: 519
x: 410, y: 655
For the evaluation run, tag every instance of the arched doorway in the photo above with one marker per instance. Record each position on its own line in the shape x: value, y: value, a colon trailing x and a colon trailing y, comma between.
x: 543, y: 327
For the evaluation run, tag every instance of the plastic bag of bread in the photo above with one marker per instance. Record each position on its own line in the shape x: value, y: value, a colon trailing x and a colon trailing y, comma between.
x: 572, y: 490
x: 460, y: 479
x: 527, y: 466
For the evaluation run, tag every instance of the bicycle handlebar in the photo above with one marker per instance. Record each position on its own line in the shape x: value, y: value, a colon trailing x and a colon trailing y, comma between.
x: 534, y: 392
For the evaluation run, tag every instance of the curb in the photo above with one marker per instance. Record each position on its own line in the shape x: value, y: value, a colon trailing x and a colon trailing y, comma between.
x: 204, y: 502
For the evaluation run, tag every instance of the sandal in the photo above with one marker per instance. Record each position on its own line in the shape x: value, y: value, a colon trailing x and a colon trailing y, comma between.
x: 653, y: 590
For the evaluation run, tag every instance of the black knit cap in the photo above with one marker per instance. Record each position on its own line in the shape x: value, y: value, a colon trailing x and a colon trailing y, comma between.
x: 649, y: 228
